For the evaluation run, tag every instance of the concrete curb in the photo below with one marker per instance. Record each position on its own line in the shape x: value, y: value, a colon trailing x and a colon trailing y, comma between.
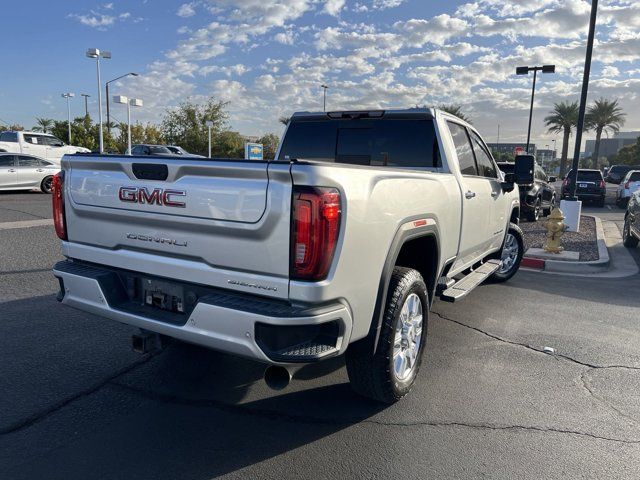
x: 560, y: 266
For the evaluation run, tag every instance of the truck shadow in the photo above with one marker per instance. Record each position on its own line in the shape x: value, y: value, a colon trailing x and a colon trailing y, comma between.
x: 187, y: 412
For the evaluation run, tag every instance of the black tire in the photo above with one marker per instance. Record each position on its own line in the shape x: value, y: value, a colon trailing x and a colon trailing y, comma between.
x: 622, y: 203
x: 45, y: 185
x: 628, y: 240
x: 504, y: 275
x: 534, y: 214
x: 373, y: 374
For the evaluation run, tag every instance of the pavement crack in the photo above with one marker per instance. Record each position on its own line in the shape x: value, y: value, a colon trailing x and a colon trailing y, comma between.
x: 22, y: 211
x: 41, y: 415
x: 598, y: 398
x: 531, y: 347
x: 246, y: 409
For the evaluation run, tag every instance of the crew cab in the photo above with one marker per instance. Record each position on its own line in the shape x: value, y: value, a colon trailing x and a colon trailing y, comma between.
x: 338, y: 246
x: 41, y: 145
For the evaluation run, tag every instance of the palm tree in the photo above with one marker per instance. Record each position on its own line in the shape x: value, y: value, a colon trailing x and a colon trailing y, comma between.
x: 603, y: 116
x: 563, y: 118
x: 44, y: 124
x: 455, y: 110
x: 284, y: 120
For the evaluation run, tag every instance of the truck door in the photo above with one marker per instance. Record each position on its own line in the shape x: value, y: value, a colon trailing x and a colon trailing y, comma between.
x: 476, y: 201
x: 8, y: 173
x: 489, y: 171
x: 33, y: 145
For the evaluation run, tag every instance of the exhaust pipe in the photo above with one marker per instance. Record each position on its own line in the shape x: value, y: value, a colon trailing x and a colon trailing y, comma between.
x: 277, y: 377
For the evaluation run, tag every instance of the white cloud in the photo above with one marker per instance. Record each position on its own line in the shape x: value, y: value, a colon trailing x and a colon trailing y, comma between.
x: 333, y: 7
x: 186, y: 10
x: 437, y: 30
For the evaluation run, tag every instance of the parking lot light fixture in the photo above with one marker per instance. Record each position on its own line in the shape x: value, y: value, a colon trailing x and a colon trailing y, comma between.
x: 133, y: 74
x: 86, y: 103
x: 324, y: 101
x: 68, y: 96
x: 130, y: 102
x: 209, y: 125
x: 525, y: 71
x: 97, y: 54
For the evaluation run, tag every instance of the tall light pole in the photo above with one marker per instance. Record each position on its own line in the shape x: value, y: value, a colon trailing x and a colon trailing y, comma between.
x: 68, y: 96
x: 324, y: 102
x: 583, y: 100
x: 96, y: 53
x: 86, y: 103
x: 535, y: 70
x: 133, y: 74
x: 209, y: 125
x: 130, y: 102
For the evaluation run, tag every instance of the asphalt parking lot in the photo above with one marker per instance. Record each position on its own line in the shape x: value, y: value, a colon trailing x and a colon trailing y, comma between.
x: 78, y: 403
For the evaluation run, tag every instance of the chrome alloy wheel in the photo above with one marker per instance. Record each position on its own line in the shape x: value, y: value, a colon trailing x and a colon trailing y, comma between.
x: 408, y: 334
x: 509, y: 253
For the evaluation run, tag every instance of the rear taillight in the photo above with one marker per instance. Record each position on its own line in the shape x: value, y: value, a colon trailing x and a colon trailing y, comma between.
x: 314, y: 231
x: 627, y: 185
x: 565, y: 182
x: 57, y: 199
x: 602, y: 184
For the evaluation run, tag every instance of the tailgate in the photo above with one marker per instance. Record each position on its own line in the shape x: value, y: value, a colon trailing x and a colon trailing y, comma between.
x: 225, y: 217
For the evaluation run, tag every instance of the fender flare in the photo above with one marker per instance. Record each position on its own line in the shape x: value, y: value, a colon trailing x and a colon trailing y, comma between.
x: 401, y: 237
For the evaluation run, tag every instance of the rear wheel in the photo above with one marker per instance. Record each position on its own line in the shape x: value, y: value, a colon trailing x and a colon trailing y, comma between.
x: 511, y: 255
x: 552, y: 205
x: 45, y: 185
x: 628, y: 239
x: 388, y: 374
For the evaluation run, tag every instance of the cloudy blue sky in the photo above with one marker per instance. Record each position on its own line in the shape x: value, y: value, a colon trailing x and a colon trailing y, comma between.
x: 268, y: 57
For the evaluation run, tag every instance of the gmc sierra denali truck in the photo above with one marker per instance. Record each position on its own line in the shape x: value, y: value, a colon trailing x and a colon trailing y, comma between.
x: 338, y: 246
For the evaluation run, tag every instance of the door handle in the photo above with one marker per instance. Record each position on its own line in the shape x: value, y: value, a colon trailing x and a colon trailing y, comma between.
x: 39, y: 170
x: 469, y: 194
x: 494, y: 194
x: 11, y: 170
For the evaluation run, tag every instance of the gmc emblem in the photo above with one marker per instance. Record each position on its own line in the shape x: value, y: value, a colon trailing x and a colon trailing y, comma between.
x: 157, y: 196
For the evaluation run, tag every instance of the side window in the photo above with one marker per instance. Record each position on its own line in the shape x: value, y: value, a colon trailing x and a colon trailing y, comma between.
x: 44, y: 163
x: 136, y: 151
x: 33, y: 139
x: 9, y: 137
x: 463, y: 149
x: 26, y: 161
x: 7, y: 161
x: 486, y: 166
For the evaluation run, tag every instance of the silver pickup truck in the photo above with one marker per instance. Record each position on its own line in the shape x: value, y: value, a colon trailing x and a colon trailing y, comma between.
x: 338, y: 246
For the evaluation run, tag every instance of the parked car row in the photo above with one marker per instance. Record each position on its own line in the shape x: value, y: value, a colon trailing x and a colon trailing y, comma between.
x: 537, y: 198
x: 42, y: 145
x: 617, y: 173
x: 26, y: 172
x: 591, y: 186
x: 162, y: 150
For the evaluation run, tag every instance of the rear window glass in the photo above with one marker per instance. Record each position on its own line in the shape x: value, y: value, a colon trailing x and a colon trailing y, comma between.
x: 635, y: 177
x: 589, y: 176
x: 391, y: 142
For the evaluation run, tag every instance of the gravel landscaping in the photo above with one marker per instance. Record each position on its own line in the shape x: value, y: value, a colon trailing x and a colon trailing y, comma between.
x: 584, y: 241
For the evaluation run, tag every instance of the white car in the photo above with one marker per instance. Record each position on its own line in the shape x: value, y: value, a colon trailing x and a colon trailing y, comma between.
x: 26, y: 172
x: 42, y: 145
x: 629, y: 184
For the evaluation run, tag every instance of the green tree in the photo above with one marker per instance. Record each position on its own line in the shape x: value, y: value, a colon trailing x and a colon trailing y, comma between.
x: 140, y: 133
x: 603, y: 115
x: 228, y: 144
x: 269, y: 143
x: 563, y: 118
x: 284, y: 120
x: 43, y: 125
x: 456, y: 110
x: 15, y: 127
x: 185, y: 126
x: 629, y: 155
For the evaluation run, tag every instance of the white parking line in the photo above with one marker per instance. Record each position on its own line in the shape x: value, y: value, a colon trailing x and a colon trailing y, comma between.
x: 25, y: 224
x: 609, y: 207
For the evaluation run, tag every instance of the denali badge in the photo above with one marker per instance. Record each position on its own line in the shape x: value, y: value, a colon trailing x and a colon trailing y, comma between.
x: 158, y: 196
x: 149, y: 238
x: 252, y: 285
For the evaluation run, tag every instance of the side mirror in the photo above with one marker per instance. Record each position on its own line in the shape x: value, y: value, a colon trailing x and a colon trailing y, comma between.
x: 553, y: 179
x: 508, y: 184
x: 523, y: 170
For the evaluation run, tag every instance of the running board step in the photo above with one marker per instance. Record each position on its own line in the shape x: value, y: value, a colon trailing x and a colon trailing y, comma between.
x: 461, y: 288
